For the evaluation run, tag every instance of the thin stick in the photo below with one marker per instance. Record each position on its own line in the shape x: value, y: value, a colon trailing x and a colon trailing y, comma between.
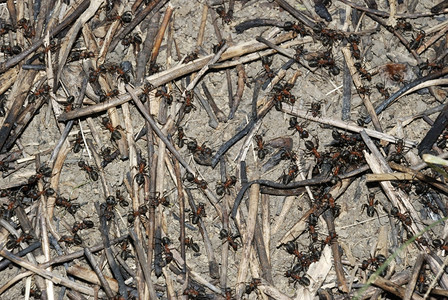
x: 202, y: 25
x: 98, y: 272
x: 414, y: 277
x: 161, y: 33
x: 91, y: 276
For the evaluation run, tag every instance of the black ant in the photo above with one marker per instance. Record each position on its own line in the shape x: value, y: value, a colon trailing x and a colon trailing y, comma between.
x: 371, y: 210
x: 267, y: 62
x: 403, y: 25
x: 218, y: 46
x: 43, y: 91
x: 115, y: 134
x: 34, y: 292
x: 11, y: 50
x: 225, y: 235
x: 190, y: 57
x: 71, y: 207
x: 199, y: 213
x: 315, y: 109
x: 418, y: 40
x: 45, y: 192
x: 42, y: 172
x: 157, y: 199
x: 71, y: 240
x: 290, y: 26
x: 5, y: 28
x: 189, y: 95
x: 108, y: 156
x: 134, y: 40
x: 261, y: 150
x: 125, y: 252
x: 78, y: 55
x: 295, y: 277
x: 144, y: 96
x: 105, y: 96
x: 397, y: 155
x: 84, y: 224
x: 107, y: 208
x: 91, y: 171
x: 226, y: 17
x: 313, y: 149
x: 120, y: 198
x: 189, y: 243
x: 78, y: 142
x: 294, y: 124
x: 373, y: 261
x: 224, y: 187
x: 199, y: 182
x: 194, y: 147
x: 28, y: 30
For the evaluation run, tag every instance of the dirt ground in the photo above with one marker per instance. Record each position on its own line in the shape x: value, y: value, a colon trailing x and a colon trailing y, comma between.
x: 360, y: 236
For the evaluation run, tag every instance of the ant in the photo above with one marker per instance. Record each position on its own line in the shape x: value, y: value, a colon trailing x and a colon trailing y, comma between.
x: 192, y: 292
x: 403, y: 25
x: 371, y: 210
x: 267, y: 62
x: 5, y: 28
x: 34, y: 292
x: 126, y: 17
x: 363, y: 72
x: 156, y: 200
x: 84, y: 224
x: 418, y: 40
x: 8, y: 50
x: 70, y: 104
x: 354, y: 41
x: 75, y: 240
x: 199, y: 182
x: 313, y: 149
x: 293, y: 249
x: 194, y: 147
x: 190, y: 57
x: 91, y: 171
x: 189, y: 95
x: 290, y: 175
x: 261, y: 150
x: 325, y: 60
x: 108, y: 156
x: 397, y: 155
x: 28, y: 30
x: 224, y: 187
x: 104, y: 96
x: 312, y: 223
x: 125, y: 252
x: 42, y: 172
x: 168, y: 254
x: 72, y: 208
x: 123, y: 202
x: 199, y: 213
x: 298, y: 28
x: 252, y: 285
x: 78, y: 55
x: 140, y: 176
x: 225, y: 235
x: 315, y: 109
x: 94, y: 74
x: 363, y: 90
x: 15, y: 242
x: 218, y: 46
x: 115, y: 134
x: 329, y: 239
x: 43, y: 91
x: 295, y: 277
x: 293, y: 124
x: 134, y: 40
x: 226, y: 17
x: 163, y: 93
x: 144, y: 96
x: 404, y: 218
x: 108, y: 208
x: 142, y: 210
x: 189, y: 243
x: 382, y: 90
x: 374, y: 261
x: 343, y: 138
x: 403, y: 185
x: 438, y: 243
x: 228, y: 294
x: 180, y: 140
x: 45, y: 192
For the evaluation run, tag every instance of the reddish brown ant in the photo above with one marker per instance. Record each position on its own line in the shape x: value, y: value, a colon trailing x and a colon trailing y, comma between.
x: 147, y: 88
x: 142, y: 210
x: 163, y: 93
x: 395, y: 71
x: 105, y: 96
x: 28, y: 30
x: 78, y: 55
x: 374, y: 261
x: 157, y: 199
x: 126, y: 17
x: 189, y: 243
x: 252, y: 285
x: 224, y: 187
x: 42, y: 172
x: 404, y: 218
x: 354, y: 41
x: 403, y: 25
x: 313, y: 149
x: 261, y: 150
x: 168, y: 254
x: 226, y: 18
x: 68, y: 240
x: 290, y: 175
x: 418, y: 40
x: 91, y: 171
x: 293, y: 124
x: 134, y: 40
x: 290, y: 26
x: 267, y: 62
x: 180, y: 139
x: 108, y: 156
x: 382, y: 90
x: 5, y: 28
x: 440, y: 244
x: 84, y: 224
x: 120, y: 198
x: 199, y: 182
x: 190, y: 57
x: 225, y: 235
x: 363, y: 72
x: 15, y: 242
x: 115, y: 134
x: 295, y: 277
x: 72, y: 208
x: 34, y: 292
x: 324, y: 60
x: 107, y: 208
x: 193, y: 292
x: 189, y: 95
x: 218, y: 46
x: 45, y: 192
x: 43, y: 91
x: 199, y: 213
x: 370, y: 206
x: 315, y: 109
x: 397, y: 155
x: 140, y: 176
